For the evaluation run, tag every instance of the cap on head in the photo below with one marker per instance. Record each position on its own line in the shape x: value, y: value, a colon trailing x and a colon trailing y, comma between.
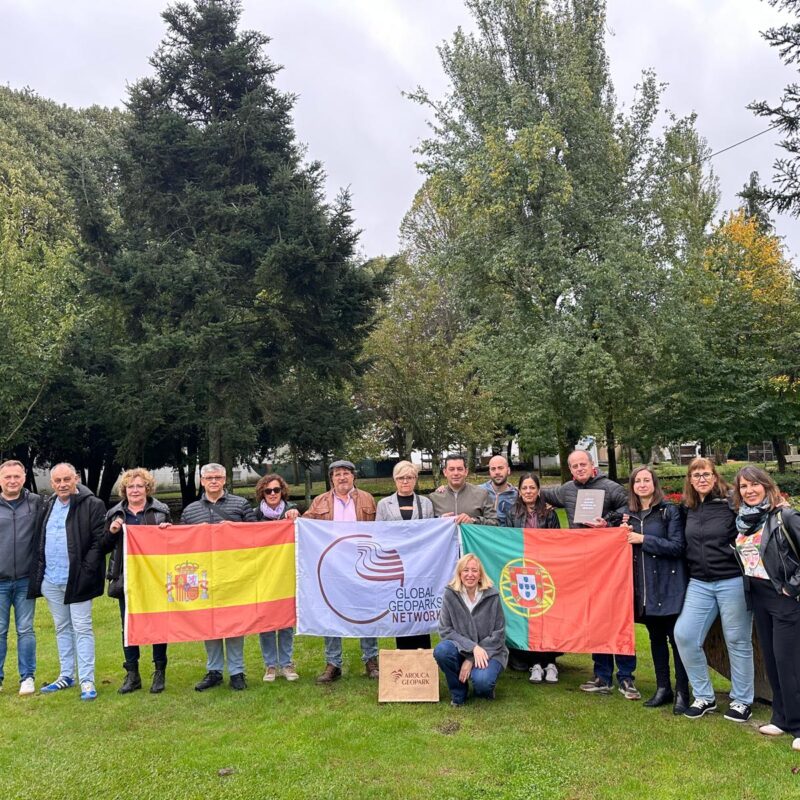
x: 343, y: 464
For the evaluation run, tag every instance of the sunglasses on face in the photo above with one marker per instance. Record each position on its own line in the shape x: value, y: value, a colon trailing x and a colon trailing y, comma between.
x: 272, y: 491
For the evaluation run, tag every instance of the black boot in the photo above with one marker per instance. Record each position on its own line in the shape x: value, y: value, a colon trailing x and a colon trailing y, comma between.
x: 681, y: 703
x: 158, y: 684
x: 133, y: 680
x: 662, y: 697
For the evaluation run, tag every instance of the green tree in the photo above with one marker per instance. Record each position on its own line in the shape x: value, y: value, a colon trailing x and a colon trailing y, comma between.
x: 230, y: 266
x: 548, y: 191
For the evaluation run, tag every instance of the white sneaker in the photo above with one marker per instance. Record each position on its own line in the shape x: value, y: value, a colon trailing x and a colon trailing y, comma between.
x: 269, y: 675
x: 551, y: 673
x: 796, y: 744
x: 27, y: 686
x: 537, y: 673
x: 771, y: 730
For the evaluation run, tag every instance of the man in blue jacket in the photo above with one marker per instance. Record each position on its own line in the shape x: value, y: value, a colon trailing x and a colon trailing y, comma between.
x: 20, y: 514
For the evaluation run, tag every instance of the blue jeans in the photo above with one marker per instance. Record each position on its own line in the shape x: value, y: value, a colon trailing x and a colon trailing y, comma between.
x: 449, y: 659
x: 234, y: 647
x: 333, y: 650
x: 277, y: 647
x: 705, y: 600
x: 604, y: 666
x: 74, y: 633
x: 15, y: 593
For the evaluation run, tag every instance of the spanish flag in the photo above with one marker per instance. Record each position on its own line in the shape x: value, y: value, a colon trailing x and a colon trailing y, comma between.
x: 188, y: 583
x: 564, y: 591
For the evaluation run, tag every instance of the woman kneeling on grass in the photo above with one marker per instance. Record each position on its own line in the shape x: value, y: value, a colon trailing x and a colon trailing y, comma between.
x: 473, y: 632
x: 768, y: 546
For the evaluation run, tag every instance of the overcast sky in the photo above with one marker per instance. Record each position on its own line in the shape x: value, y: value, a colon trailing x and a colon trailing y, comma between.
x: 349, y: 61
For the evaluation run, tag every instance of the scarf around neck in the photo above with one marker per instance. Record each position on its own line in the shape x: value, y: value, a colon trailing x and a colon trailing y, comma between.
x: 272, y: 513
x: 752, y: 518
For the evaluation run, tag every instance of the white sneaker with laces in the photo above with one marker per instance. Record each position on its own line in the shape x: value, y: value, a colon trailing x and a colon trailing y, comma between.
x: 551, y: 673
x: 537, y: 673
x: 27, y: 686
x: 771, y: 730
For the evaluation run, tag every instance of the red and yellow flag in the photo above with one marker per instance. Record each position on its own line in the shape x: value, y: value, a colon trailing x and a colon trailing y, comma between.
x: 188, y: 583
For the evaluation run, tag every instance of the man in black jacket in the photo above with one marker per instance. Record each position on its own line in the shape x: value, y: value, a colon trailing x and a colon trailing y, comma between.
x: 20, y: 515
x: 615, y: 497
x: 69, y: 572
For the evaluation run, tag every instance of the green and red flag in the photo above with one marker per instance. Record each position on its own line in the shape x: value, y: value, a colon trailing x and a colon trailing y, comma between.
x: 568, y: 591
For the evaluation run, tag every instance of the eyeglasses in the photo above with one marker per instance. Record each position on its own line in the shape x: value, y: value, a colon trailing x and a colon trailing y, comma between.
x: 701, y: 476
x: 406, y: 478
x: 215, y: 478
x: 277, y: 490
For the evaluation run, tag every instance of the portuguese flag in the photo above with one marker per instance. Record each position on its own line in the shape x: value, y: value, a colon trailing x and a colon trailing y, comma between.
x: 567, y: 591
x: 188, y: 583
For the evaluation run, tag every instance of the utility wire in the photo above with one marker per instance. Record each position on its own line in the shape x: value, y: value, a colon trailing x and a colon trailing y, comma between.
x: 743, y: 141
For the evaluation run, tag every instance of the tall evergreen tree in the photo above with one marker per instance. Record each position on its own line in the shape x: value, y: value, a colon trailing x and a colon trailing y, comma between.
x: 231, y: 266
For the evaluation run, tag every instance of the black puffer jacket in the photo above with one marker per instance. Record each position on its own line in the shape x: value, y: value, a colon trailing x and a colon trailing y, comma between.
x: 155, y: 512
x: 710, y: 535
x: 19, y: 527
x: 84, y: 524
x: 566, y: 496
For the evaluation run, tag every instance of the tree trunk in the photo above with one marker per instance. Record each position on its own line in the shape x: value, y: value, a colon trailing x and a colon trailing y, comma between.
x: 779, y: 446
x: 308, y: 486
x: 436, y: 469
x: 111, y: 471
x: 295, y: 469
x: 509, y: 447
x: 214, y: 443
x: 611, y: 446
x: 472, y: 461
x: 186, y: 498
x: 326, y: 476
x: 563, y: 454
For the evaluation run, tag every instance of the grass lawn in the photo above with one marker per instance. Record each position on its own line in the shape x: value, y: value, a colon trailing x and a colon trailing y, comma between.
x: 304, y: 741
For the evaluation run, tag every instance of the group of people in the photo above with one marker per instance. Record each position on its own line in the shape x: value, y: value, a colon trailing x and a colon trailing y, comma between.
x: 727, y: 553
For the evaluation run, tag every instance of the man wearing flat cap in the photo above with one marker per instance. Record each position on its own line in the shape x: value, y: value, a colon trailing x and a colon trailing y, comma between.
x: 344, y: 503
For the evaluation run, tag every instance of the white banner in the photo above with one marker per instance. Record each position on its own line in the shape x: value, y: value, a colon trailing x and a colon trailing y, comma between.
x: 373, y: 578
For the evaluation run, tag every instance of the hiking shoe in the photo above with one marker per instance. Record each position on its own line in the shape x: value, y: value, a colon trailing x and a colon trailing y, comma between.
x: 371, y: 668
x: 537, y: 674
x: 88, y: 692
x: 57, y: 685
x: 27, y: 686
x: 237, y: 682
x: 597, y: 686
x: 289, y: 672
x: 330, y: 674
x: 628, y: 689
x: 212, y: 678
x: 551, y: 673
x: 771, y: 730
x: 738, y: 712
x: 269, y: 675
x: 699, y: 708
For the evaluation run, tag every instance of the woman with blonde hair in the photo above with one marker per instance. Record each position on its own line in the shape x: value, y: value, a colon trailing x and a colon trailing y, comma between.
x: 137, y: 507
x: 473, y: 633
